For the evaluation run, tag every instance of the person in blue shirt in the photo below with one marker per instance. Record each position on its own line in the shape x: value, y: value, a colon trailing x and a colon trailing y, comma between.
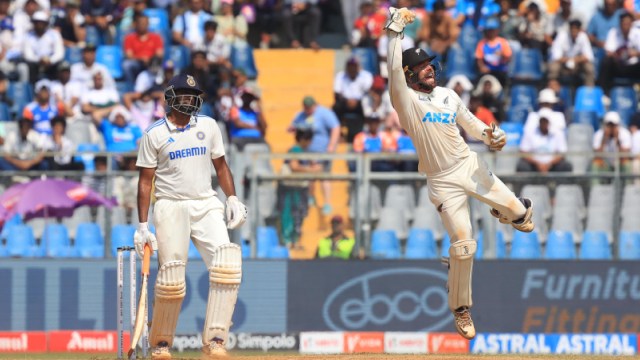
x: 608, y: 17
x: 246, y: 123
x: 120, y: 134
x: 325, y: 126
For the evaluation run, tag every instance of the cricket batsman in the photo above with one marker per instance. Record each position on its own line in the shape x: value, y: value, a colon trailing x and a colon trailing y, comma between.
x: 179, y: 150
x: 430, y: 115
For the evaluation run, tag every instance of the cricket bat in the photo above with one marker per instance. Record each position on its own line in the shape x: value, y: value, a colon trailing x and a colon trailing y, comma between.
x: 142, y: 303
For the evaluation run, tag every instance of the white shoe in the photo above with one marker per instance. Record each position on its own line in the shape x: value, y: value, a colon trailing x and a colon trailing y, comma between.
x: 215, y: 350
x: 464, y: 323
x: 161, y: 352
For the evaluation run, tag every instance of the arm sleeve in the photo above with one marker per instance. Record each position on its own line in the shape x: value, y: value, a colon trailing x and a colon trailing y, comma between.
x: 398, y: 90
x: 556, y: 47
x: 525, y: 144
x: 147, y: 154
x: 587, y: 50
x: 469, y: 122
x: 58, y: 47
x: 217, y: 146
x: 610, y: 44
x: 178, y: 25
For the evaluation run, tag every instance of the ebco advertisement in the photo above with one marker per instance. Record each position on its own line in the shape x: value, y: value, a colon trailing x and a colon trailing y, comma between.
x: 509, y: 296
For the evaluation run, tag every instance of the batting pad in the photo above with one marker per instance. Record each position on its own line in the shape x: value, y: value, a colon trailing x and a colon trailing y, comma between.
x: 461, y: 255
x: 169, y: 292
x: 224, y: 281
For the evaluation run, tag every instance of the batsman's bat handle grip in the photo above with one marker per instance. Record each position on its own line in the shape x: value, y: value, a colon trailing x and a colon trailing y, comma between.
x: 146, y: 259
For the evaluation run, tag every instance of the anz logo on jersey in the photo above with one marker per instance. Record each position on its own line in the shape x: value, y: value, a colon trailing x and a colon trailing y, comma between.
x: 189, y: 152
x: 439, y: 117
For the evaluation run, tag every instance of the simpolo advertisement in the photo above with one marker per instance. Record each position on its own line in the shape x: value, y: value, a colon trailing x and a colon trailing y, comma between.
x: 242, y: 341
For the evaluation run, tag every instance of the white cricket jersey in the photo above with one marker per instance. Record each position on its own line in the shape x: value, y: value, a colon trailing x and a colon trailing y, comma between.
x: 182, y: 157
x: 430, y: 119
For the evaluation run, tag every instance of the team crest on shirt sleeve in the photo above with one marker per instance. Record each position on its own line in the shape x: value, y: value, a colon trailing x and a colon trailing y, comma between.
x: 200, y: 135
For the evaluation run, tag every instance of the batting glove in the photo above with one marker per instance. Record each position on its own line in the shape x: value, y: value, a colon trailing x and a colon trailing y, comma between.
x: 495, y: 137
x: 398, y: 19
x: 144, y: 236
x: 236, y: 212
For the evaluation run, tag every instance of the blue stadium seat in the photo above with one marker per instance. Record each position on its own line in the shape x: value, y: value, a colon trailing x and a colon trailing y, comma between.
x: 421, y: 245
x: 193, y: 251
x: 123, y: 87
x: 206, y: 109
x: 5, y: 112
x: 93, y: 36
x: 446, y: 244
x: 56, y: 240
x: 566, y: 97
x: 405, y: 145
x: 595, y: 246
x: 624, y: 101
x: 87, y: 159
x: 267, y: 238
x: 518, y: 114
x: 21, y: 242
x: 589, y: 98
x: 629, y: 245
x: 368, y: 59
x: 514, y: 132
x: 525, y: 246
x: 501, y: 247
x: 527, y: 65
x: 89, y: 241
x: 586, y: 117
x: 245, y: 246
x: 180, y: 55
x: 468, y: 39
x: 111, y: 56
x: 22, y: 94
x: 73, y: 54
x: 524, y: 96
x: 159, y: 23
x: 278, y: 252
x: 242, y: 58
x: 385, y: 245
x: 4, y: 252
x: 460, y: 63
x: 560, y: 246
x: 121, y: 235
x: 15, y: 220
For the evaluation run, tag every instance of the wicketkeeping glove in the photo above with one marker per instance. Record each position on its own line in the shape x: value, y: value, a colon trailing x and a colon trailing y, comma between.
x: 143, y: 236
x: 236, y: 212
x: 495, y: 137
x: 398, y: 19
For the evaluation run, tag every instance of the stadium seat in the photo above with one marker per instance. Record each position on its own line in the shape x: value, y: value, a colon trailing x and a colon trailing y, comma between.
x: 405, y: 145
x: 507, y: 160
x: 207, y: 110
x: 4, y: 252
x: 242, y: 58
x: 56, y: 240
x: 111, y: 56
x: 601, y: 219
x: 392, y: 219
x: 159, y: 23
x: 72, y: 54
x: 501, y: 247
x: 587, y: 118
x: 261, y: 165
x: 15, y: 220
x: 589, y: 98
x: 87, y: 159
x: 267, y: 238
x: 468, y: 39
x: 579, y: 140
x: 118, y: 215
x: 517, y: 114
x: 180, y: 55
x: 402, y: 198
x: 629, y: 245
x: 369, y: 204
x: 568, y: 217
x: 459, y: 63
x: 541, y: 198
x: 121, y: 235
x: 524, y: 96
x: 421, y: 245
x: 80, y: 215
x: 93, y: 36
x: 368, y: 59
x: 527, y: 65
x: 385, y: 245
x: 602, y: 196
x: 427, y: 218
x: 245, y: 246
x: 445, y: 245
x: 193, y: 251
x: 525, y: 246
x: 560, y: 246
x: 89, y: 241
x: 595, y: 246
x: 278, y: 252
x: 566, y: 97
x: 514, y: 132
x: 21, y: 94
x: 624, y: 101
x: 5, y: 113
x: 22, y: 243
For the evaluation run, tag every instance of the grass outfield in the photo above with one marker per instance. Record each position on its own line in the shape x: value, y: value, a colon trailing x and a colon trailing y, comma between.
x: 293, y: 356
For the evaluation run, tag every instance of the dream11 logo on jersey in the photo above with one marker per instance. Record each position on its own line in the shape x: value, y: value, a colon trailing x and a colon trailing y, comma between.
x: 408, y: 299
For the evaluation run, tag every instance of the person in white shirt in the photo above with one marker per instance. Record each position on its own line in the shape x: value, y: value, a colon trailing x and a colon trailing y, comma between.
x: 62, y: 145
x: 571, y: 54
x: 612, y: 137
x: 68, y: 92
x: 546, y: 100
x: 545, y: 147
x: 218, y: 50
x: 176, y: 155
x: 99, y: 101
x: 623, y: 53
x: 188, y: 27
x: 349, y: 87
x: 83, y: 71
x: 430, y: 115
x: 43, y: 48
x: 25, y: 149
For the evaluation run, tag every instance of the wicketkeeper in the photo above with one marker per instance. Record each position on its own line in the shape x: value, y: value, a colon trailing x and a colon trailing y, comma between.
x: 430, y: 115
x: 179, y: 151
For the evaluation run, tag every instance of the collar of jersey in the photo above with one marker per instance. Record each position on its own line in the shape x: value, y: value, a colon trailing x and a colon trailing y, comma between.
x: 172, y: 127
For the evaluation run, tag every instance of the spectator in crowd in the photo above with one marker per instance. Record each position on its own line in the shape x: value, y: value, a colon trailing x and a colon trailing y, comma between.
x: 199, y: 69
x: 83, y: 71
x: 301, y: 20
x: 337, y: 245
x: 99, y: 101
x: 406, y: 43
x: 98, y: 14
x: 489, y: 91
x: 571, y: 54
x: 155, y: 77
x: 349, y: 87
x: 546, y: 100
x: 546, y: 148
x: 560, y: 22
x: 43, y: 48
x: 145, y: 107
x: 267, y: 22
x: 293, y: 195
x: 412, y: 30
x: 611, y: 138
x: 510, y: 21
x: 126, y: 24
x: 367, y: 28
x: 43, y: 109
x: 605, y: 19
x: 623, y: 53
x: 533, y: 31
x: 188, y: 29
x: 560, y: 106
x: 216, y: 47
x: 71, y: 25
x: 22, y: 24
x: 462, y: 86
x: 6, y: 30
x: 97, y: 180
x: 374, y: 140
x: 478, y: 13
x: 326, y: 133
x: 25, y: 149
x: 141, y: 48
x: 120, y: 134
x: 482, y: 113
x: 231, y: 27
x: 377, y: 102
x: 66, y: 91
x: 455, y: 9
x: 62, y: 145
x: 493, y: 52
x: 247, y: 123
x: 439, y: 31
x: 125, y: 187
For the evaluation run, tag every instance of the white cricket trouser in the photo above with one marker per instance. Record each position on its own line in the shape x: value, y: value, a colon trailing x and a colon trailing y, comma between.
x: 449, y: 192
x: 179, y: 221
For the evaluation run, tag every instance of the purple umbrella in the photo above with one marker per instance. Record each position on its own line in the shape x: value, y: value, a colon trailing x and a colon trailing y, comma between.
x: 48, y: 198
